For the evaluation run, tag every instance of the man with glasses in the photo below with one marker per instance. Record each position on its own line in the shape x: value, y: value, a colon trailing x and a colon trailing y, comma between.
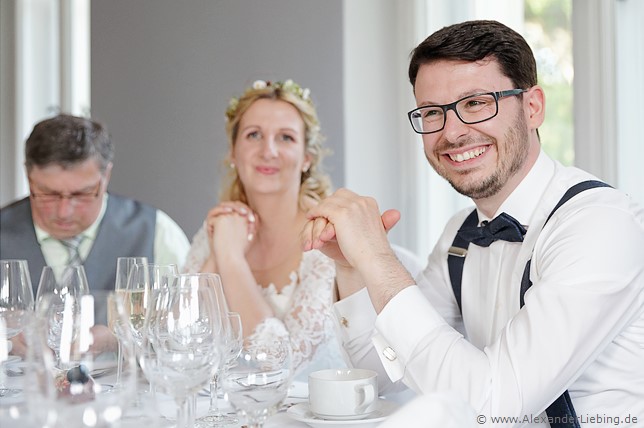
x: 69, y: 217
x: 531, y: 306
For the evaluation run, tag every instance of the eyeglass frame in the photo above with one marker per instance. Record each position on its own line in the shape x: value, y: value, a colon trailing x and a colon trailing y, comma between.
x: 452, y: 106
x: 73, y: 197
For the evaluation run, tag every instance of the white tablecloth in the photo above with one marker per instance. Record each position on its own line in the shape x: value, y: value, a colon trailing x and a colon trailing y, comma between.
x: 437, y: 410
x: 14, y: 414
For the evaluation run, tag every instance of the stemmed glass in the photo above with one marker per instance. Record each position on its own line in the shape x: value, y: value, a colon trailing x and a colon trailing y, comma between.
x: 16, y: 305
x: 59, y: 282
x: 258, y: 381
x: 233, y: 340
x: 141, y: 291
x: 124, y: 266
x: 185, y: 339
x: 144, y: 278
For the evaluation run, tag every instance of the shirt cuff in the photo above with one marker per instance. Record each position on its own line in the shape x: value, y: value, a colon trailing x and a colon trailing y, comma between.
x: 355, y: 316
x: 409, y: 313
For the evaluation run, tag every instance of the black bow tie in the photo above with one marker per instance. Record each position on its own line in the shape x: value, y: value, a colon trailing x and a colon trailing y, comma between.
x: 503, y: 227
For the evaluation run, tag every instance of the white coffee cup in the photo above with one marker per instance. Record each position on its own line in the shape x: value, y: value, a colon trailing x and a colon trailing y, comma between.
x: 343, y: 394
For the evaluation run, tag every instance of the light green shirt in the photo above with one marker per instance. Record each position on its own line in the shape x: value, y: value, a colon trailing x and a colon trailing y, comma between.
x: 170, y: 242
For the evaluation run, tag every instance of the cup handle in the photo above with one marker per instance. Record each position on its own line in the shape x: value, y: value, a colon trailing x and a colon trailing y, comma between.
x: 365, y: 395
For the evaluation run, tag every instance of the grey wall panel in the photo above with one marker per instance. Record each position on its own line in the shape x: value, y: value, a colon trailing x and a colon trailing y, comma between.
x: 163, y: 70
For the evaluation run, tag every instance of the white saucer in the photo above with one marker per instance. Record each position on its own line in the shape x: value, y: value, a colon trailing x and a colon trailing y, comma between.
x: 301, y: 412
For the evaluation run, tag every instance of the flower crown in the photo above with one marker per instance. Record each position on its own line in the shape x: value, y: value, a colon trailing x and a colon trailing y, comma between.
x: 287, y: 85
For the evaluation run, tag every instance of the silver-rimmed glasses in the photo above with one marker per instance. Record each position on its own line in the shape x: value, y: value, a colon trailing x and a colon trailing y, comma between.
x: 82, y: 197
x: 472, y: 109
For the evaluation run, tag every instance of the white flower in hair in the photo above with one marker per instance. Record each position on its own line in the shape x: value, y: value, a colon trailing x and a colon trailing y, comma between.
x: 288, y: 85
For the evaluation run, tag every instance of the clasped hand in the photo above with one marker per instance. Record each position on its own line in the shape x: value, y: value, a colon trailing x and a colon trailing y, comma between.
x: 349, y: 229
x: 232, y: 223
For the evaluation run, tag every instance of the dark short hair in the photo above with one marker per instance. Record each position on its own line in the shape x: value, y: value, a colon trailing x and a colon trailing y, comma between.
x: 475, y: 41
x: 67, y: 140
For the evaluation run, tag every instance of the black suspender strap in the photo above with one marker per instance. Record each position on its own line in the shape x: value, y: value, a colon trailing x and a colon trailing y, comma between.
x: 561, y: 412
x: 456, y: 257
x: 574, y: 190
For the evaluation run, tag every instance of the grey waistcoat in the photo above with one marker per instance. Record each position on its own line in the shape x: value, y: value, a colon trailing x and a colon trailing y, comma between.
x: 127, y: 229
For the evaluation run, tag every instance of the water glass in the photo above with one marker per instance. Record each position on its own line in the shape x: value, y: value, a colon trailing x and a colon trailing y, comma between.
x: 259, y: 379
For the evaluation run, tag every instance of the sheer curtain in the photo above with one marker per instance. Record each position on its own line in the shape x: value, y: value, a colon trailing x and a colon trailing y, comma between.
x: 45, y: 69
x: 629, y: 59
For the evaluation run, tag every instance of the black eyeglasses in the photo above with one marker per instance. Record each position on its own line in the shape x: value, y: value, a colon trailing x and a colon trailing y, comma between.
x: 51, y: 198
x: 471, y: 109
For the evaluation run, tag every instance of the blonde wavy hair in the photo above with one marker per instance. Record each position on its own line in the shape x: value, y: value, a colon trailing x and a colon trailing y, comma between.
x: 315, y: 185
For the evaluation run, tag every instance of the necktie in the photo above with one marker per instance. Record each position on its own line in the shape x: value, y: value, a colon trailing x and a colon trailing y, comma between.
x: 503, y: 227
x: 72, y: 245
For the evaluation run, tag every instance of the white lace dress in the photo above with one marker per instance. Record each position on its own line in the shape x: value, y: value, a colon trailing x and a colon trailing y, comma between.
x: 302, y: 309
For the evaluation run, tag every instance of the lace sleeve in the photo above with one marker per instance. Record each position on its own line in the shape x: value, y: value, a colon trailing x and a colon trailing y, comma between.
x: 308, y: 321
x: 198, y: 253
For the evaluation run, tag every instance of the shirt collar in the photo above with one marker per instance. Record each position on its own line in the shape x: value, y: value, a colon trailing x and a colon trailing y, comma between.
x: 89, y: 233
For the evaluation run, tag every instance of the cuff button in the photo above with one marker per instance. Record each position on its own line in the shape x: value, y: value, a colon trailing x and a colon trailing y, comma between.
x: 389, y: 353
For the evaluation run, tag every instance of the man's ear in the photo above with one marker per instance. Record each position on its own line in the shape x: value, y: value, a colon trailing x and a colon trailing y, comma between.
x: 535, y: 104
x: 108, y: 173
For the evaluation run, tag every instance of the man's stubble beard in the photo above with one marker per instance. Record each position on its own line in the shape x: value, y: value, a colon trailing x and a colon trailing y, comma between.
x: 511, y: 157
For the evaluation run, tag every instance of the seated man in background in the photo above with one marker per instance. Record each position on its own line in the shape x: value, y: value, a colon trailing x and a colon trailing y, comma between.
x: 69, y: 217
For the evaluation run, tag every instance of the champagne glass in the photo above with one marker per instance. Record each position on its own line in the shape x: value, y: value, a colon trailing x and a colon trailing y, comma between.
x: 258, y: 381
x: 142, y: 280
x: 16, y: 305
x: 65, y: 391
x: 186, y: 339
x: 233, y: 340
x: 124, y: 266
x: 138, y: 295
x: 60, y: 282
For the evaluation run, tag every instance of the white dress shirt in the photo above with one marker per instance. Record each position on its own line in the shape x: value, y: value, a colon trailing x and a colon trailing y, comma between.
x: 581, y: 329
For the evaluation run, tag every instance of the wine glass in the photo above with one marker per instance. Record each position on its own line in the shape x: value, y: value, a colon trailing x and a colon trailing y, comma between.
x: 214, y: 417
x: 60, y: 282
x: 258, y: 381
x: 66, y: 391
x: 16, y: 306
x: 123, y: 268
x: 16, y: 295
x: 185, y: 337
x: 233, y: 340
